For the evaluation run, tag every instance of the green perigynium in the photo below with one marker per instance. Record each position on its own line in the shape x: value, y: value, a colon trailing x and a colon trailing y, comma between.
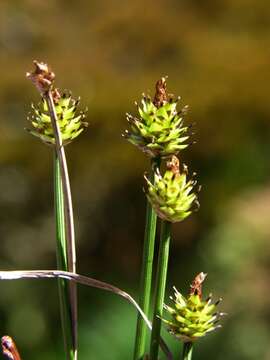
x: 172, y: 196
x: 192, y: 317
x: 159, y: 129
x: 70, y: 121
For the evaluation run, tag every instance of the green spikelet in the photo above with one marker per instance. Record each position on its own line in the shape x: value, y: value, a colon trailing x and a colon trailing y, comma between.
x: 192, y: 317
x: 159, y: 130
x: 171, y: 194
x: 70, y: 122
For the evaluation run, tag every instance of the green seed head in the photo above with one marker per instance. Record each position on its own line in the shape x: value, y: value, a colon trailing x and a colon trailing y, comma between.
x: 171, y: 195
x: 158, y: 131
x: 70, y: 122
x: 192, y: 317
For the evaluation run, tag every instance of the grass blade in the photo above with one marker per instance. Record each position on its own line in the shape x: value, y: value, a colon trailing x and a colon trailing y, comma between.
x: 83, y: 280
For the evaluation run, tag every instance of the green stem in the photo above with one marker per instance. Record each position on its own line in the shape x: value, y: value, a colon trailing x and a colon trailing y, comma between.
x: 62, y: 261
x: 162, y: 267
x: 146, y: 275
x: 71, y: 295
x: 187, y: 351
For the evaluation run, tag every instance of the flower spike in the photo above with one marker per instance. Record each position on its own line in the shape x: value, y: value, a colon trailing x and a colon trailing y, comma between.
x: 171, y: 195
x: 158, y: 130
x: 70, y: 122
x: 192, y: 317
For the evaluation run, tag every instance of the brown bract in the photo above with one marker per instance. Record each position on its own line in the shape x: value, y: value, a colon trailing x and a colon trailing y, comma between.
x: 9, y: 348
x: 161, y: 93
x: 173, y: 165
x: 196, y: 286
x: 42, y: 77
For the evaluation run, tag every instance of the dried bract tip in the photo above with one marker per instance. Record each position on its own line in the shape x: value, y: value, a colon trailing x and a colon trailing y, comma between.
x: 42, y: 77
x: 9, y: 348
x: 161, y: 93
x: 173, y: 165
x: 196, y: 286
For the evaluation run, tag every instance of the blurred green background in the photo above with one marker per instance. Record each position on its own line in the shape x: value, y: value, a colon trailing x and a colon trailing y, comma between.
x: 217, y: 57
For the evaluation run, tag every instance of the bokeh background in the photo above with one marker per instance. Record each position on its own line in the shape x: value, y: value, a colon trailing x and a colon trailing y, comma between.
x: 217, y: 57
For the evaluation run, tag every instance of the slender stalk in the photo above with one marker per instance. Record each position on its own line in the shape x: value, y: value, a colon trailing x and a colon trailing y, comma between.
x: 162, y: 267
x: 187, y: 351
x: 146, y: 274
x: 71, y: 296
x: 63, y: 286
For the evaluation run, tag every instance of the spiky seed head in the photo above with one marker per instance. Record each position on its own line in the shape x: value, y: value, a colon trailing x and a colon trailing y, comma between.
x: 192, y: 317
x: 171, y: 195
x: 71, y: 122
x: 158, y: 130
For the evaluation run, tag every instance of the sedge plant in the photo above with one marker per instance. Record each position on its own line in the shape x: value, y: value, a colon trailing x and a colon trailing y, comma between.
x: 159, y: 131
x: 56, y: 122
